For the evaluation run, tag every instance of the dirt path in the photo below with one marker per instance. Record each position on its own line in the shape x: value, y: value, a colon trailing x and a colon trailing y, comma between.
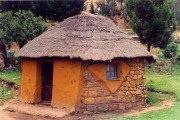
x: 5, y: 115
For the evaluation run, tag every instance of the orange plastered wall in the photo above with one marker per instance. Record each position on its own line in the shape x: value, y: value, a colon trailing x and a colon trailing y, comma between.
x: 30, y: 81
x: 67, y: 83
x: 99, y: 71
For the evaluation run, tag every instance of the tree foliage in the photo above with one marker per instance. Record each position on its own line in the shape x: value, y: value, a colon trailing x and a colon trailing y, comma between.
x: 171, y: 50
x: 55, y: 10
x: 20, y: 27
x: 152, y: 20
x: 177, y: 10
x: 107, y: 7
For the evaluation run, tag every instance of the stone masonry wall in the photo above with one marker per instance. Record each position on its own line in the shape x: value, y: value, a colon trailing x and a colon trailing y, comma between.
x: 131, y: 94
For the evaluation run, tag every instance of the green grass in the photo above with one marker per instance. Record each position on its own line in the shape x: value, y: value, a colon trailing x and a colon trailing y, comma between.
x: 165, y: 114
x: 156, y: 99
x: 162, y: 83
x: 5, y: 94
x: 11, y: 76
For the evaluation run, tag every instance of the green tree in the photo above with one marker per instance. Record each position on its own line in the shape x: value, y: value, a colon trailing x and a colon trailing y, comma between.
x: 152, y: 20
x: 55, y: 10
x: 107, y: 7
x: 177, y: 10
x: 171, y: 50
x: 92, y: 11
x: 20, y: 27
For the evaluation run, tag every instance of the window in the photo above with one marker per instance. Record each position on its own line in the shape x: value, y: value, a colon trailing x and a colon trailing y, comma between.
x: 111, y: 71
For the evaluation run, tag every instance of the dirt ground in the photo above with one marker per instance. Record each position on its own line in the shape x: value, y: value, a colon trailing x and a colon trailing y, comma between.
x: 7, y: 115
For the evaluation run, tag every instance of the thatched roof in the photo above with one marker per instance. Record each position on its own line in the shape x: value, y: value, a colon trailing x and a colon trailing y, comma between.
x: 85, y: 36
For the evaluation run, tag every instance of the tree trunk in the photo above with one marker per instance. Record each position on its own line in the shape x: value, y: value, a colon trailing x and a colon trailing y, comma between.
x: 3, y: 56
x: 149, y: 47
x: 3, y: 50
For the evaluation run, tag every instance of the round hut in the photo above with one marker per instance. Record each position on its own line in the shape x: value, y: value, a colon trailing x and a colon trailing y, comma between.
x: 86, y: 63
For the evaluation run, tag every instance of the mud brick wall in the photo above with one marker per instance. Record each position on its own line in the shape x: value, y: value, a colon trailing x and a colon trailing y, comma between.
x: 131, y: 94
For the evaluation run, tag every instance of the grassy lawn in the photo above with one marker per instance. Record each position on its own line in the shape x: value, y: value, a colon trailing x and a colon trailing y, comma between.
x: 11, y: 76
x: 5, y: 94
x: 162, y: 83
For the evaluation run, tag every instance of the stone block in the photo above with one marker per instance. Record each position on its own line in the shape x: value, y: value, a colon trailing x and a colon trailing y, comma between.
x: 138, y: 92
x: 106, y: 93
x: 109, y: 99
x: 135, y: 77
x: 139, y: 76
x: 103, y: 107
x: 89, y: 101
x: 126, y: 84
x: 121, y: 93
x: 132, y: 83
x: 100, y: 100
x: 100, y: 93
x: 113, y: 107
x: 85, y: 94
x: 122, y: 106
x: 128, y: 94
x: 132, y: 99
x: 126, y: 99
x: 128, y: 105
x: 92, y: 94
x: 91, y: 108
x: 131, y: 72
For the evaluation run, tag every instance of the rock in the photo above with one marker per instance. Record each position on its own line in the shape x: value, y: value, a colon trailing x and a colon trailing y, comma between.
x: 100, y: 100
x: 138, y: 92
x: 132, y: 99
x: 122, y: 106
x: 103, y: 107
x: 121, y: 93
x: 139, y: 76
x: 92, y: 94
x: 128, y: 105
x: 132, y: 83
x: 89, y: 101
x: 106, y: 93
x: 131, y: 72
x: 100, y: 93
x: 113, y: 107
x: 91, y: 108
x: 127, y: 84
x: 135, y: 77
x: 85, y: 94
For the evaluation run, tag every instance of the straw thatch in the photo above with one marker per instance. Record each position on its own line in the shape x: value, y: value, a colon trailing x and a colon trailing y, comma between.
x: 85, y: 36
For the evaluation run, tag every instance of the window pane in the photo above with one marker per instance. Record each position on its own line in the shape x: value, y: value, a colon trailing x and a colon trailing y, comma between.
x: 113, y: 74
x: 108, y: 74
x: 111, y: 71
x: 107, y: 67
x: 112, y: 67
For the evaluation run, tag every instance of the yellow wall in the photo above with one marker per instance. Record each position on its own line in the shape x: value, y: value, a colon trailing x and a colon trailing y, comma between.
x: 67, y: 83
x: 99, y: 71
x: 30, y: 82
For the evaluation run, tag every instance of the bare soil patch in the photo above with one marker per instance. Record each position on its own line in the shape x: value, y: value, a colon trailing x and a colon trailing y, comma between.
x: 19, y: 115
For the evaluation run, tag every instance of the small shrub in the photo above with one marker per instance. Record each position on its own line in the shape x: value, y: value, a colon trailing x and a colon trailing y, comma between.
x: 156, y: 99
x: 107, y: 7
x: 171, y: 50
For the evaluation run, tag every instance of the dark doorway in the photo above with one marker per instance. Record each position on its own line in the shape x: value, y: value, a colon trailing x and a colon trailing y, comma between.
x: 47, y: 81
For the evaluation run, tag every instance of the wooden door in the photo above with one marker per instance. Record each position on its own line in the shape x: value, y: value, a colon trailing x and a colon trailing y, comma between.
x: 47, y: 81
